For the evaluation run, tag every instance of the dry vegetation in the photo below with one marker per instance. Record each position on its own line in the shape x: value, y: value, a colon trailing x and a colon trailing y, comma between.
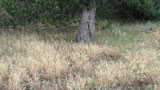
x: 30, y: 62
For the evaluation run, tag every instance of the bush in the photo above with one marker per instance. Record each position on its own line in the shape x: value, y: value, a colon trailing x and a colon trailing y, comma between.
x: 5, y: 19
x: 132, y: 9
x: 24, y: 12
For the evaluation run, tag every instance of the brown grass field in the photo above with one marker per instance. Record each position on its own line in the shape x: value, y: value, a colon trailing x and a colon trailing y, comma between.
x: 29, y: 61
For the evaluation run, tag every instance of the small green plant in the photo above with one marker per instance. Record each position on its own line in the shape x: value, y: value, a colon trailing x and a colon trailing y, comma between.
x: 149, y: 87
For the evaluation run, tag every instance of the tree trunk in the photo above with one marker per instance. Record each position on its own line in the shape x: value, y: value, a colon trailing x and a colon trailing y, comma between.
x: 86, y: 31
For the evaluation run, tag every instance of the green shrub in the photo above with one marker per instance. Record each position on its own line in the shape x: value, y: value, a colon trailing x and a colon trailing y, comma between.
x: 24, y: 12
x: 132, y: 9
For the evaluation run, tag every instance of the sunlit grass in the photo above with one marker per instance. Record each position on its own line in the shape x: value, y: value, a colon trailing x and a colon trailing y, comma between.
x: 122, y: 34
x: 50, y: 60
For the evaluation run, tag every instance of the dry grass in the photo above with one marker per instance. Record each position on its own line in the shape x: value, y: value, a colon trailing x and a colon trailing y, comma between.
x: 28, y: 62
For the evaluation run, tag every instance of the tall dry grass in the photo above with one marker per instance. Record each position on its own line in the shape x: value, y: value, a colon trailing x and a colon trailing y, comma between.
x: 28, y: 62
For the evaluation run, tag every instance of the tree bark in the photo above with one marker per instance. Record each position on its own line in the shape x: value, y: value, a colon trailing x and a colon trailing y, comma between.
x: 86, y: 31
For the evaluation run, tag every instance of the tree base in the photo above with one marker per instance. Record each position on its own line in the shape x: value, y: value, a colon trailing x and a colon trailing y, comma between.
x: 87, y: 25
